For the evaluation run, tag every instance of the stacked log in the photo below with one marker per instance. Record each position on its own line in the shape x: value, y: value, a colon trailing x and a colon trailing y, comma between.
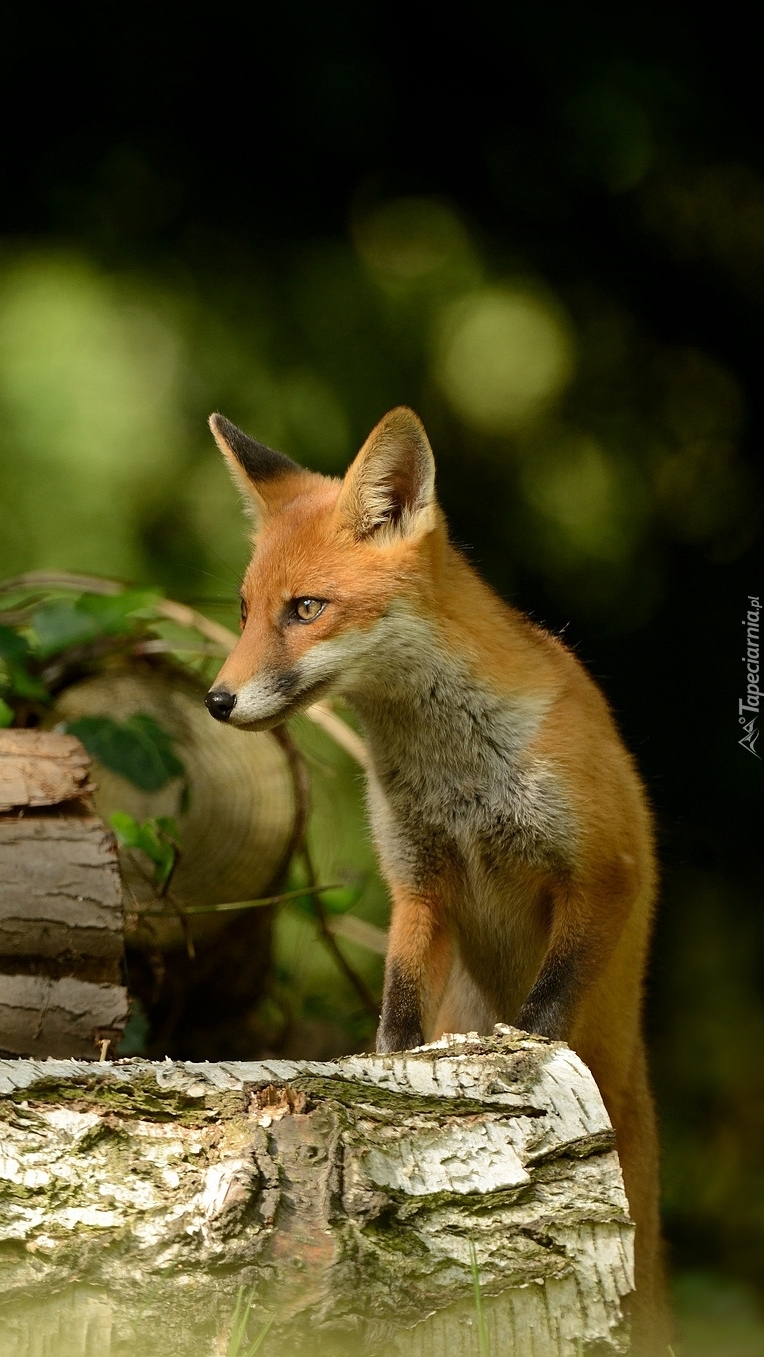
x: 61, y: 917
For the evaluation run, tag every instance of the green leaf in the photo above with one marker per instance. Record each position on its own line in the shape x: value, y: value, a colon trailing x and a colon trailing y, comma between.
x: 60, y: 625
x: 6, y: 715
x: 14, y: 653
x: 113, y: 612
x: 337, y: 900
x: 340, y: 900
x: 139, y: 749
x: 168, y: 825
x: 127, y: 830
x: 146, y: 728
x: 13, y: 647
x: 69, y: 622
x: 24, y: 684
x: 153, y: 837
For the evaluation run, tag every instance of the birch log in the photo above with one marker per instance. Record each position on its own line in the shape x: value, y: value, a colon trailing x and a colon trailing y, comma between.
x: 136, y: 1198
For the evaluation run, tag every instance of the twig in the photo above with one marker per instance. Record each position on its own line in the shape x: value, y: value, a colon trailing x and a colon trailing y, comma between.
x: 156, y: 646
x: 330, y: 942
x: 177, y: 912
x: 359, y: 931
x: 94, y: 584
x: 301, y: 785
x: 300, y: 845
x: 342, y: 734
x: 228, y: 906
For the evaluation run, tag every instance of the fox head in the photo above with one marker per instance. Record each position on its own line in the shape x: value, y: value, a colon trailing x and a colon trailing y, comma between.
x: 334, y: 561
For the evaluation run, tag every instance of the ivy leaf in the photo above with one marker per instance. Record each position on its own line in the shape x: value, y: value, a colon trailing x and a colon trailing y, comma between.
x: 14, y: 653
x: 113, y: 612
x: 60, y: 625
x: 24, y: 684
x: 157, y: 838
x: 69, y: 622
x: 342, y: 898
x: 338, y: 900
x: 139, y: 749
x: 13, y: 647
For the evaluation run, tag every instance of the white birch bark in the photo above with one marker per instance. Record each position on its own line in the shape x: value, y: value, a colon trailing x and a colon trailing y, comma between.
x: 136, y: 1198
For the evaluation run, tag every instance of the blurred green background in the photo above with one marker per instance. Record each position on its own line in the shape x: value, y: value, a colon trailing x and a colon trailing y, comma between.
x: 544, y: 229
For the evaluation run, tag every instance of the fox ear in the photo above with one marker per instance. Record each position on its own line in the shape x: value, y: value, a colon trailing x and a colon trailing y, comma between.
x: 256, y: 469
x: 390, y: 487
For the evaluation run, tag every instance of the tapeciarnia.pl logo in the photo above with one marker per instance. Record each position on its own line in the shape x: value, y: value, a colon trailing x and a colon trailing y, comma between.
x: 748, y: 707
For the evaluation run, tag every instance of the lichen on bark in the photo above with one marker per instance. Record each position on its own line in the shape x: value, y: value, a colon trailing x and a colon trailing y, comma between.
x: 346, y: 1195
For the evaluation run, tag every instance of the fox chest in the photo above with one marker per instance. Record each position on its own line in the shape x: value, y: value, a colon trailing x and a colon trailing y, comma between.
x: 434, y: 813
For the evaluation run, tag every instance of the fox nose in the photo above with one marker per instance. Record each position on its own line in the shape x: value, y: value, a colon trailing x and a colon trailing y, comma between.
x: 220, y: 703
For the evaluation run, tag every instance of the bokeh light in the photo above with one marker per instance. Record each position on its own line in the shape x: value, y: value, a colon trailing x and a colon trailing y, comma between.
x: 590, y: 502
x: 410, y: 241
x: 89, y: 412
x: 503, y: 356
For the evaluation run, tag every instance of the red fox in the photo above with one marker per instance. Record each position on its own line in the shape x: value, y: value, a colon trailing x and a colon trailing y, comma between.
x: 509, y: 818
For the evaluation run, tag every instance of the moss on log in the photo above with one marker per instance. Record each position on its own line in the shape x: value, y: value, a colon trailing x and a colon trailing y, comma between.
x: 136, y: 1198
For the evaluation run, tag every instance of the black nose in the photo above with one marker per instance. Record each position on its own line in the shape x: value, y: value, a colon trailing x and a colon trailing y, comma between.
x: 220, y: 703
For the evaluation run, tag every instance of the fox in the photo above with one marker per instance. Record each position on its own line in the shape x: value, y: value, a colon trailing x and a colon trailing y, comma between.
x: 510, y: 821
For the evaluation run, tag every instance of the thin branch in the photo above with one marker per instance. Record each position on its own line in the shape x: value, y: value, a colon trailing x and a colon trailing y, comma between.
x: 229, y: 906
x: 342, y: 734
x: 156, y: 646
x: 330, y: 942
x: 359, y: 931
x: 94, y: 584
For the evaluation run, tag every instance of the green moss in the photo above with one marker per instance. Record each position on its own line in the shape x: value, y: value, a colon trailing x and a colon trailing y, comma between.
x: 141, y: 1098
x: 370, y: 1100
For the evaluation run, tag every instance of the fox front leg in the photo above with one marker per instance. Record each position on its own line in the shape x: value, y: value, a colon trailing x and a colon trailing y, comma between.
x: 418, y: 962
x: 586, y: 925
x: 549, y: 1009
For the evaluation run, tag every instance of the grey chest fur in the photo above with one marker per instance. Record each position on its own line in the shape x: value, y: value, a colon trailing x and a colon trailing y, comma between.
x: 454, y: 779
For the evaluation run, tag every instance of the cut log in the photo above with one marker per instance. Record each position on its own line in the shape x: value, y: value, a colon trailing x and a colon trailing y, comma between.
x: 61, y: 916
x: 59, y: 1017
x: 348, y: 1196
x: 41, y: 768
x: 60, y: 888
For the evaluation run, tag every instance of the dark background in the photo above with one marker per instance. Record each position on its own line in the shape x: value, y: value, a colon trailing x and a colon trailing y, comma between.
x: 615, y: 159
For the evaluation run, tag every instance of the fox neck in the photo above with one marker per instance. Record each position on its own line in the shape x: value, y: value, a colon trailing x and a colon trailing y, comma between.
x: 424, y: 704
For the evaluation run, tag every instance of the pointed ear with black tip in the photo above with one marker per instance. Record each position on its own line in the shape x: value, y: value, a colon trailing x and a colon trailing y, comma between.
x: 389, y: 491
x: 256, y: 469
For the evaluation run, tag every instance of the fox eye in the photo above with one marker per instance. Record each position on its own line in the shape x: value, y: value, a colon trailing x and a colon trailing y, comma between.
x: 243, y: 612
x: 308, y: 609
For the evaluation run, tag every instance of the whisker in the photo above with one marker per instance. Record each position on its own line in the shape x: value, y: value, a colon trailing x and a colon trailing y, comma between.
x: 194, y: 533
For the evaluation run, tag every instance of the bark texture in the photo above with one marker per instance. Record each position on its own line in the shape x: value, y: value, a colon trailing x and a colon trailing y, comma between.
x: 136, y: 1198
x: 41, y: 768
x: 60, y: 888
x: 59, y: 1016
x: 61, y: 918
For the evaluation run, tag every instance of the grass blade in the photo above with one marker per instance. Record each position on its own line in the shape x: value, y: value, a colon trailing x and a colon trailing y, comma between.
x: 481, y: 1326
x: 255, y: 1347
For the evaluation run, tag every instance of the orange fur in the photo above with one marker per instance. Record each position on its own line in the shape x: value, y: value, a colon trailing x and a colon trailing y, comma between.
x: 509, y: 818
